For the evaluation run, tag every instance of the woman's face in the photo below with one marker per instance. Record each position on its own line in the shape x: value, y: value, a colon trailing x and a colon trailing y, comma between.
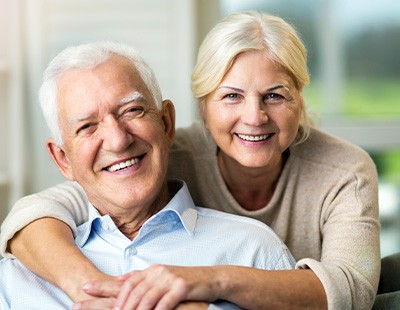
x: 254, y: 113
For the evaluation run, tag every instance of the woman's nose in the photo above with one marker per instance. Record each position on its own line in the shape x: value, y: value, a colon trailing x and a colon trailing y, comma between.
x: 254, y: 113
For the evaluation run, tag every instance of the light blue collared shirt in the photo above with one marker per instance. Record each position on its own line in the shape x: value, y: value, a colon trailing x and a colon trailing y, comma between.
x: 180, y: 234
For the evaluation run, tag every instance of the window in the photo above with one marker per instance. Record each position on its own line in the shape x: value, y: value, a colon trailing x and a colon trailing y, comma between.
x: 355, y: 77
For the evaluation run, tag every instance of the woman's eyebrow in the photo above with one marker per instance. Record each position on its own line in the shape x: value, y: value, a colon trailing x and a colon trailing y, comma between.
x: 276, y: 87
x: 239, y: 90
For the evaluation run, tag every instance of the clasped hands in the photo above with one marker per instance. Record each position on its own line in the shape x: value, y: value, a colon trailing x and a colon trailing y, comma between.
x: 158, y: 287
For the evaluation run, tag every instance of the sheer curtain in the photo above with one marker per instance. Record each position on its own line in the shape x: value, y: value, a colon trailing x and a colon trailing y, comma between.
x: 34, y: 31
x: 12, y: 111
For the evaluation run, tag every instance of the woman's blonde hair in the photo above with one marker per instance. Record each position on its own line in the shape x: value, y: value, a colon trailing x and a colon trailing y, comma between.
x: 251, y: 31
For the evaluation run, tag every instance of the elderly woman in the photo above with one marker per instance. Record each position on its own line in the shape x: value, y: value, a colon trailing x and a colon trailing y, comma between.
x: 256, y: 154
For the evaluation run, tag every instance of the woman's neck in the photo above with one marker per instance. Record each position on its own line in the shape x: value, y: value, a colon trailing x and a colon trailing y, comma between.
x: 252, y: 188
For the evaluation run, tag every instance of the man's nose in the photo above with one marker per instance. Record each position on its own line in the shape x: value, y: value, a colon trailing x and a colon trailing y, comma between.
x: 116, y: 135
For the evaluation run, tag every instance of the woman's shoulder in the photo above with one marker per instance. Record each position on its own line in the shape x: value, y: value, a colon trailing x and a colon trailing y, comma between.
x: 324, y: 148
x: 193, y: 139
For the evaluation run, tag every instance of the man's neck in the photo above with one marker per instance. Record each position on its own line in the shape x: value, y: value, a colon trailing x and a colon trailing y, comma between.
x: 130, y: 225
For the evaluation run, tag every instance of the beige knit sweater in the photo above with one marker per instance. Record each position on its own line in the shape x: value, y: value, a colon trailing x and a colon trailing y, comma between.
x: 325, y: 208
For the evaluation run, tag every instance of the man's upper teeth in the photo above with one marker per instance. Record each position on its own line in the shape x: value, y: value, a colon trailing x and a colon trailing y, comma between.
x: 123, y: 165
x: 253, y: 138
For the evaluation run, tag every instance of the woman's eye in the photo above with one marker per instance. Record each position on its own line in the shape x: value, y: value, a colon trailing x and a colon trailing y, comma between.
x: 231, y: 96
x: 274, y: 98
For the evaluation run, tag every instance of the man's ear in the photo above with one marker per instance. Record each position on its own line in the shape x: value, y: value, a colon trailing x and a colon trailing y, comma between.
x: 59, y: 157
x: 168, y: 118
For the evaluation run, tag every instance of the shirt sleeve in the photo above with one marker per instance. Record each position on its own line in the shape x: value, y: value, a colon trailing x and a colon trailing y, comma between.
x: 350, y: 260
x: 66, y: 202
x: 223, y: 305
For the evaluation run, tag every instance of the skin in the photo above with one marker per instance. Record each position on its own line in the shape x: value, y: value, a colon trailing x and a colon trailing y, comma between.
x: 256, y: 100
x: 108, y: 117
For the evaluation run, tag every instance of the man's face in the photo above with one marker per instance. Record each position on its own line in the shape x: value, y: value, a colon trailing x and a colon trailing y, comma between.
x: 116, y: 141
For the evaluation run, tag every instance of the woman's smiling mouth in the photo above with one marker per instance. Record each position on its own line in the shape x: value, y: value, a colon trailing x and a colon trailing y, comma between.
x: 252, y: 138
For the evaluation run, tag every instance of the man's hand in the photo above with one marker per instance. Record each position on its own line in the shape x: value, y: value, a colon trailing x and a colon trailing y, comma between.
x: 192, y: 305
x: 164, y: 287
x: 106, y: 292
x: 157, y: 287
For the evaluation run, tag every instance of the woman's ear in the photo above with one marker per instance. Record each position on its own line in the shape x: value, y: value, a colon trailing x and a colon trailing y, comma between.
x: 168, y: 118
x: 60, y: 158
x: 202, y: 110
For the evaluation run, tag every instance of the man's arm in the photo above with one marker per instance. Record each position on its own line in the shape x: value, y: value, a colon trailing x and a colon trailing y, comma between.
x: 46, y: 246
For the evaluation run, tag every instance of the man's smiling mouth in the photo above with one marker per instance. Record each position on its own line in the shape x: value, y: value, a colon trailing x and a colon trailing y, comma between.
x: 253, y: 138
x: 123, y: 165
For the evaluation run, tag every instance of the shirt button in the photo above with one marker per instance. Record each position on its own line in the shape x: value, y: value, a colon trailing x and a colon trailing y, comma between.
x: 133, y: 251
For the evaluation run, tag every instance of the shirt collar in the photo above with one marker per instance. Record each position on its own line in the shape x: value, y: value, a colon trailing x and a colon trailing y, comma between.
x: 181, y: 204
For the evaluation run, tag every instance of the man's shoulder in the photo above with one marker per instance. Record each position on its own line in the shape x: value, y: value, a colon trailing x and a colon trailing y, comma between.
x: 232, y: 219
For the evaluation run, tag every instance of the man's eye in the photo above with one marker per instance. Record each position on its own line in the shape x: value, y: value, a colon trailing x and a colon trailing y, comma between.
x: 134, y: 110
x: 86, y: 126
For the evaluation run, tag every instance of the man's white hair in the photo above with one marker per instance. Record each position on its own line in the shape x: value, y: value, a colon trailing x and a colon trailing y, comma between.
x: 87, y: 56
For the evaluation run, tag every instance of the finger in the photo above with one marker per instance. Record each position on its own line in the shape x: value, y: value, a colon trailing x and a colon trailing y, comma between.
x: 173, y: 297
x: 150, y: 299
x: 126, y: 276
x: 103, y: 288
x: 98, y: 303
x: 135, y: 295
x: 127, y: 287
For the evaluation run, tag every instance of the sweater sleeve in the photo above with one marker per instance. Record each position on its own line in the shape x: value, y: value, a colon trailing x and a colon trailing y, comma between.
x: 66, y: 202
x: 350, y: 259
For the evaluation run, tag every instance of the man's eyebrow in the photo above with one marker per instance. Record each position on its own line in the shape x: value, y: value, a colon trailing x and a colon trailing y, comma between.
x: 79, y: 118
x: 132, y: 97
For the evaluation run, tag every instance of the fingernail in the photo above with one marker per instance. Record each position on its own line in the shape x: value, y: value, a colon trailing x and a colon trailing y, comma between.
x: 87, y: 286
x: 76, y: 307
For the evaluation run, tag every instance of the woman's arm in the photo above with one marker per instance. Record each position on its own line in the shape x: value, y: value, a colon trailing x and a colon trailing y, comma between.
x: 272, y: 289
x: 249, y: 288
x: 66, y: 202
x: 39, y: 231
x: 46, y: 246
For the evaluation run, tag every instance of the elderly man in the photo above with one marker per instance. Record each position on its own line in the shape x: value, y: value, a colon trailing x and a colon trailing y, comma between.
x: 111, y: 133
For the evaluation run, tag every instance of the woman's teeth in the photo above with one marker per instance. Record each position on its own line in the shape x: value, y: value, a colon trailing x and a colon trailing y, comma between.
x: 253, y: 138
